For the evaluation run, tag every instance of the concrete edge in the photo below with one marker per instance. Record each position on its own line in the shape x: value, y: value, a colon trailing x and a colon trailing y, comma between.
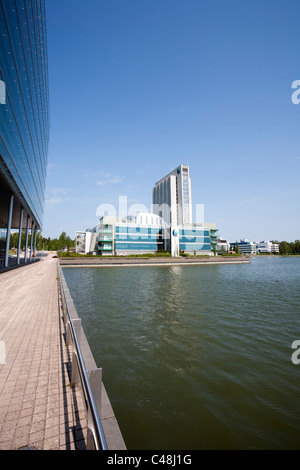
x: 135, y: 265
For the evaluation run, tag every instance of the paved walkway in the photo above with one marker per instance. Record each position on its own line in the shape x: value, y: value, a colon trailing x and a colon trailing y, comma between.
x: 38, y: 408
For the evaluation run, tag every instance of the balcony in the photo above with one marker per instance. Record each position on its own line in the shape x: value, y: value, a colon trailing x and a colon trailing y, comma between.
x: 106, y: 229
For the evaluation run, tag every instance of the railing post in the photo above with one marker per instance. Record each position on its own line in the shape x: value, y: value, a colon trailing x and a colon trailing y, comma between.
x: 75, y: 378
x: 69, y: 340
x: 95, y: 378
x: 64, y: 310
x: 90, y: 442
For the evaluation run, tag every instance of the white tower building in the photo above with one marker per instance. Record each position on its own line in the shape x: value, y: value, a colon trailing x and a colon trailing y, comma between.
x: 172, y: 197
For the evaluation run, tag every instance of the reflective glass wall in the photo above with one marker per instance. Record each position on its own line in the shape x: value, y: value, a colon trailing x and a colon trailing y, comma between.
x: 24, y: 118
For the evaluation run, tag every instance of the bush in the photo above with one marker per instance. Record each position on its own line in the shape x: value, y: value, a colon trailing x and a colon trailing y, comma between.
x: 229, y: 254
x: 158, y: 254
x: 65, y: 254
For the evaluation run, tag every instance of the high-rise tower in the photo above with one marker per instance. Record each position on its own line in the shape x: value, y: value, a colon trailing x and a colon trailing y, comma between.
x: 172, y: 197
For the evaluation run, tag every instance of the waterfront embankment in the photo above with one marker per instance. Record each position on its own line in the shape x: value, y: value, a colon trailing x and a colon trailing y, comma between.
x: 98, y: 262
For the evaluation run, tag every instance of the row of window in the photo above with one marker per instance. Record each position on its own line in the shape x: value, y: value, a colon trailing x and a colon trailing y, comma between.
x: 138, y: 230
x: 140, y: 238
x: 194, y: 246
x: 194, y: 240
x: 137, y: 246
x: 194, y: 233
x: 158, y: 230
x: 123, y: 237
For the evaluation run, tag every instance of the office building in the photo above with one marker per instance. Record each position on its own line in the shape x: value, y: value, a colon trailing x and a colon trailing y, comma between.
x: 141, y: 234
x: 168, y: 228
x: 246, y: 247
x: 145, y: 233
x: 172, y: 197
x: 223, y: 245
x: 267, y: 247
x: 24, y: 122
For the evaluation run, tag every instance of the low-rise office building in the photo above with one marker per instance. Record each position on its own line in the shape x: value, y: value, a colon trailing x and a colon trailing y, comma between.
x: 146, y: 234
x: 223, y: 245
x: 130, y: 235
x: 246, y: 247
x: 267, y: 247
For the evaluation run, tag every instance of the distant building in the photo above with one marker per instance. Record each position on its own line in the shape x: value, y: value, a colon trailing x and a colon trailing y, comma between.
x: 172, y: 197
x: 245, y: 247
x: 222, y: 245
x: 267, y: 247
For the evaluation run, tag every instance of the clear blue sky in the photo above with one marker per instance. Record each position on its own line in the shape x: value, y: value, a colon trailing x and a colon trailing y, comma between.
x: 138, y: 87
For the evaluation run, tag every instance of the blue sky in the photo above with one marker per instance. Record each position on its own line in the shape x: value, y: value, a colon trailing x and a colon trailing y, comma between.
x: 138, y: 87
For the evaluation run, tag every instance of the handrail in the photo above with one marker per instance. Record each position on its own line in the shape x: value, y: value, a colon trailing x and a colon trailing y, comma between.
x: 94, y: 421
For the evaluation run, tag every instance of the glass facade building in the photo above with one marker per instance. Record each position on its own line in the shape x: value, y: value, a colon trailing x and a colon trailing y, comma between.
x: 116, y: 237
x: 24, y: 119
x: 124, y: 237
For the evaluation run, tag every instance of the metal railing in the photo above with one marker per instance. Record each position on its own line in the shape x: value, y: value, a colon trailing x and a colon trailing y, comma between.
x: 90, y: 380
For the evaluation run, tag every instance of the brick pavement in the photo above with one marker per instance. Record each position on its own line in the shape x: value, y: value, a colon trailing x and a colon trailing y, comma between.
x: 38, y: 408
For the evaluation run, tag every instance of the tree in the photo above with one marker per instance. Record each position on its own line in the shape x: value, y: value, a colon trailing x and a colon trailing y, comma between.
x: 14, y: 240
x: 42, y: 243
x: 289, y: 248
x: 297, y: 247
x: 284, y: 248
x: 69, y: 243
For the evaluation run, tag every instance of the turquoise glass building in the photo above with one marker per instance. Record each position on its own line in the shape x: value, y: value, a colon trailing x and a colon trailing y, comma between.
x: 145, y: 234
x: 24, y: 122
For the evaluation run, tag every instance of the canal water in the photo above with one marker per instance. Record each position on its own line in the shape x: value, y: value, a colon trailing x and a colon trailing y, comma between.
x: 197, y: 357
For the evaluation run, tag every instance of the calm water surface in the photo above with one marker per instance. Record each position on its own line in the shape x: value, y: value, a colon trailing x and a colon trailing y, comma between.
x: 197, y: 357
